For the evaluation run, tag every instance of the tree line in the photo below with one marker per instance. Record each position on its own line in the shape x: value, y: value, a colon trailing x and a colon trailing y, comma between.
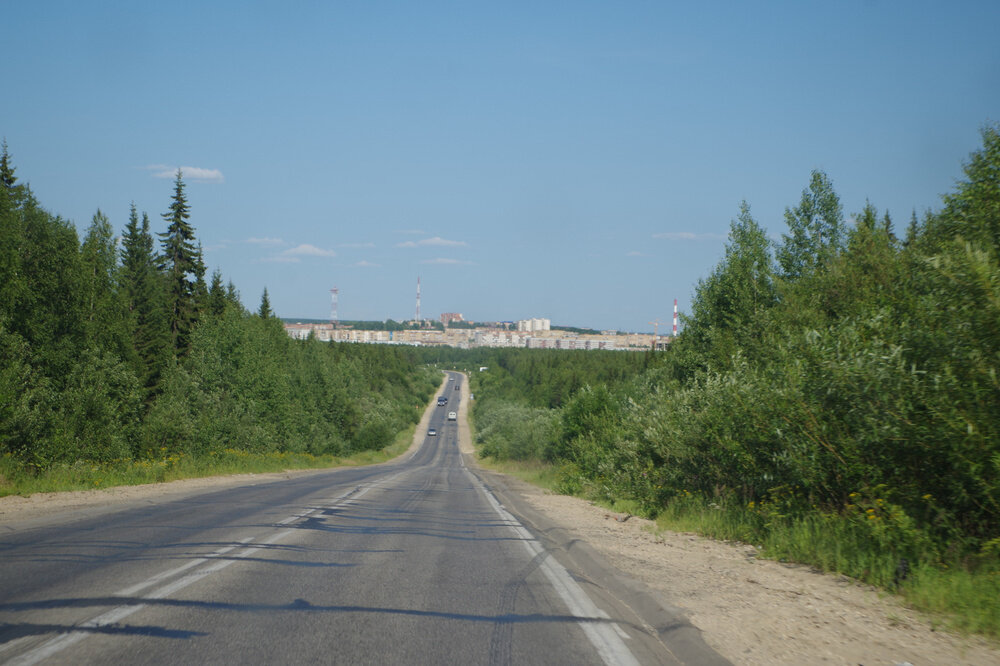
x: 847, y: 371
x: 118, y: 349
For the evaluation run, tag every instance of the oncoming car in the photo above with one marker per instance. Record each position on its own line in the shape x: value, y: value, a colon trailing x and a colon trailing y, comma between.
x: 431, y: 432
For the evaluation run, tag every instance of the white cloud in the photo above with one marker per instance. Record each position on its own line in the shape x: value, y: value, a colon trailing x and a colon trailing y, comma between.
x: 635, y: 254
x: 188, y: 173
x: 687, y: 235
x: 265, y: 241
x: 307, y: 250
x: 447, y: 262
x: 437, y: 241
x: 366, y: 264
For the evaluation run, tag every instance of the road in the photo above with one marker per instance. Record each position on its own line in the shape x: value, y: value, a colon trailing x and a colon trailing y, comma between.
x: 416, y: 561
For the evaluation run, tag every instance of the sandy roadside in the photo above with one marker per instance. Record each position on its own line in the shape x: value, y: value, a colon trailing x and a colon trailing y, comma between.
x: 752, y: 611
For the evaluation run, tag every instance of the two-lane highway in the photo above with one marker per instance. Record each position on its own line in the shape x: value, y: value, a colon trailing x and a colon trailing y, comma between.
x: 414, y: 561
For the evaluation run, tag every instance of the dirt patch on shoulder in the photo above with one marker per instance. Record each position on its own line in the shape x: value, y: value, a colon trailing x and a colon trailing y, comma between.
x: 760, y: 612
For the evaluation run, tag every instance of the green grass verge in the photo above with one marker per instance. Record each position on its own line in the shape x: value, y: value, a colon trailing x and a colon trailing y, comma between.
x: 14, y: 480
x: 535, y: 472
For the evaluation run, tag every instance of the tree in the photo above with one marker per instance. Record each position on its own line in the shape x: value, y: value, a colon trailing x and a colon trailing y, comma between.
x: 141, y: 286
x: 729, y: 308
x: 181, y: 261
x: 216, y: 295
x: 101, y: 311
x: 233, y: 297
x: 816, y: 229
x: 265, y: 306
x: 973, y: 211
x: 7, y: 178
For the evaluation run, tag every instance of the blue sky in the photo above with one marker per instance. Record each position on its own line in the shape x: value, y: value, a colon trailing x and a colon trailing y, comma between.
x: 579, y: 161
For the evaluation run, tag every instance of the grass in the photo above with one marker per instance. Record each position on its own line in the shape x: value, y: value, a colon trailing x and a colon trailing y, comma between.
x: 81, y: 475
x: 963, y: 596
x: 535, y: 472
x: 867, y: 545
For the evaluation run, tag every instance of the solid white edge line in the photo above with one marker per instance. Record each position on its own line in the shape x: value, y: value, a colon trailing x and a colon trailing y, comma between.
x: 605, y: 637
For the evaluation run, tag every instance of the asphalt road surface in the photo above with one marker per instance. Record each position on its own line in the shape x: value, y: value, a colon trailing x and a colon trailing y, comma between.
x: 417, y: 561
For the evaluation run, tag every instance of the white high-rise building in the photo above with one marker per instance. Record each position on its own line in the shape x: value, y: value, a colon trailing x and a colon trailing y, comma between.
x: 532, y: 325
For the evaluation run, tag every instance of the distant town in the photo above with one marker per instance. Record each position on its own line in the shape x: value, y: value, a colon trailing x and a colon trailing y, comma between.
x: 452, y: 330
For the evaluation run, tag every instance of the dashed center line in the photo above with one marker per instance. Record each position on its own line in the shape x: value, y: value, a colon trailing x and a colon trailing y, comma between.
x: 212, y: 565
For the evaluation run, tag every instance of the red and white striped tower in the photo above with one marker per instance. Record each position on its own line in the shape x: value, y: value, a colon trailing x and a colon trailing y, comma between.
x: 675, y: 317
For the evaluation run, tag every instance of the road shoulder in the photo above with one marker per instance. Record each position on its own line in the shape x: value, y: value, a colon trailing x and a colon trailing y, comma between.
x: 754, y: 612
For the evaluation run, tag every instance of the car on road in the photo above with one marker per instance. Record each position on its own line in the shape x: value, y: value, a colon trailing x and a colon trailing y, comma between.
x: 442, y: 401
x: 431, y: 432
x: 452, y: 416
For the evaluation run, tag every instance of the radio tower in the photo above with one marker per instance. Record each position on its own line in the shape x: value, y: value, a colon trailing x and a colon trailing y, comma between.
x: 334, y: 294
x: 675, y: 319
x: 656, y: 331
x: 418, y: 299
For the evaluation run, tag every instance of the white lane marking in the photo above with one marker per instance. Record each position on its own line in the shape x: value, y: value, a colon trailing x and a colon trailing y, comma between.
x: 119, y: 613
x: 153, y: 580
x: 604, y: 636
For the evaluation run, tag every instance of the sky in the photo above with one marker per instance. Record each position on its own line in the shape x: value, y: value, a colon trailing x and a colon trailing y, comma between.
x: 578, y: 161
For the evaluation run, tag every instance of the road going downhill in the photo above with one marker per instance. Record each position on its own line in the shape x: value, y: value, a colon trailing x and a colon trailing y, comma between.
x: 413, y: 561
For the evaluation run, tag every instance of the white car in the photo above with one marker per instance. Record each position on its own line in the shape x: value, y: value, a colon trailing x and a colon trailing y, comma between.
x: 452, y: 416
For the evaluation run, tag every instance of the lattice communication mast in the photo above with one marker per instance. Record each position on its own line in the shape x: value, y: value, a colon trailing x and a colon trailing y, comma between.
x: 418, y: 299
x: 334, y: 295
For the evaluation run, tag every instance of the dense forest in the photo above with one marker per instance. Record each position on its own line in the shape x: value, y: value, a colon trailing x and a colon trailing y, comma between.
x: 842, y: 382
x: 117, y: 351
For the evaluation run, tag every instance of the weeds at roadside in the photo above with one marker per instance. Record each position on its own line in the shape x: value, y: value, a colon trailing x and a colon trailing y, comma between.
x: 171, y: 467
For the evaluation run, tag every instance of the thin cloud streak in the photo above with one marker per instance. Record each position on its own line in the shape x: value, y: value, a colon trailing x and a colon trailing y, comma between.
x: 189, y: 173
x: 307, y: 250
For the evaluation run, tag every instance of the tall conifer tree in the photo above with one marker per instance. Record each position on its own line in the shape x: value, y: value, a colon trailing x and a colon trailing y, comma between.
x: 181, y: 262
x: 142, y: 291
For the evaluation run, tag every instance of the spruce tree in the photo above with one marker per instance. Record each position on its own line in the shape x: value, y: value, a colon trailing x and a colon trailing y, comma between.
x: 181, y: 262
x: 233, y: 297
x: 7, y: 178
x: 216, y: 295
x: 265, y: 306
x: 142, y: 291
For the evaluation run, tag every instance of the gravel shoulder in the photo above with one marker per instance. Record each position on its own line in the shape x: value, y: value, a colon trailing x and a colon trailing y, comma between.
x: 752, y: 611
